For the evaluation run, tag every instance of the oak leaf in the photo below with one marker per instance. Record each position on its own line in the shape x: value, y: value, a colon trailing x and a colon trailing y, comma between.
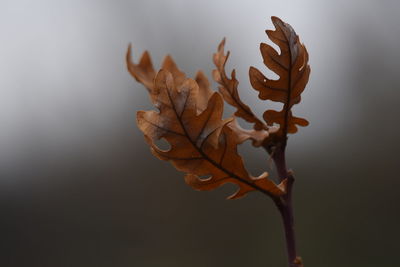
x: 292, y: 67
x: 201, y: 142
x: 228, y: 87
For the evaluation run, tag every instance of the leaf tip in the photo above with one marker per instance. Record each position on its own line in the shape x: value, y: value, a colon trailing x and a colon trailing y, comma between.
x: 252, y: 69
x: 240, y: 193
x: 275, y: 19
x: 128, y: 56
x: 168, y: 62
x: 222, y: 43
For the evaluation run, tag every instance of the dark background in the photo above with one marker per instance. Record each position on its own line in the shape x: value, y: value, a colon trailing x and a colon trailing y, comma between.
x: 79, y: 187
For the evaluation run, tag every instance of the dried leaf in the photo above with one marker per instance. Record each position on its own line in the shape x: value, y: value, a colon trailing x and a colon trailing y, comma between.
x: 292, y: 67
x: 229, y: 89
x: 201, y: 142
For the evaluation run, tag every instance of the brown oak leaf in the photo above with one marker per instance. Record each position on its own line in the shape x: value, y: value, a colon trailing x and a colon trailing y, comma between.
x: 229, y: 88
x: 292, y: 67
x: 201, y: 142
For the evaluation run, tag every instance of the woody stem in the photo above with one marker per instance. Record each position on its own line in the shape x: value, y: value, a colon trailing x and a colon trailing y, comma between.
x: 285, y: 206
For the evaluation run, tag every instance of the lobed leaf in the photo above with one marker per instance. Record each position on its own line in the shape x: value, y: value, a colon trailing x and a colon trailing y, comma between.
x: 291, y: 64
x: 201, y: 142
x: 229, y: 89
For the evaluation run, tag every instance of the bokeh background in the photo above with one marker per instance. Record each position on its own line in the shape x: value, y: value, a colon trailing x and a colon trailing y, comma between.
x: 79, y: 187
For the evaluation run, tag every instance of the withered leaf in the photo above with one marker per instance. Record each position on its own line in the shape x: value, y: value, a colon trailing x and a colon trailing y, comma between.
x: 292, y: 67
x: 201, y: 142
x: 229, y: 88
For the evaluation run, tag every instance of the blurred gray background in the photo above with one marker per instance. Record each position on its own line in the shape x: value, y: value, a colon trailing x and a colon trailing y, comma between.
x: 79, y: 186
